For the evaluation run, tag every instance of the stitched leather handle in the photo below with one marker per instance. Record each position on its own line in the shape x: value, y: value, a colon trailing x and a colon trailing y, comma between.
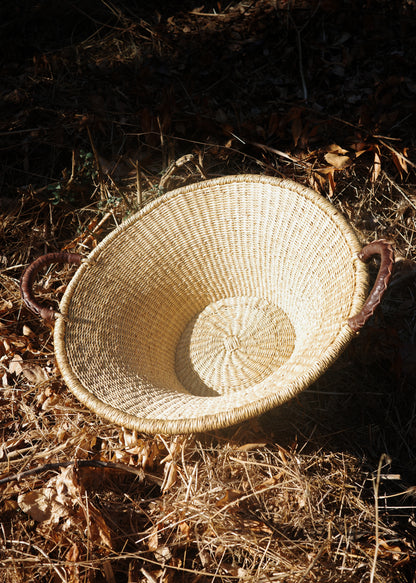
x: 29, y: 275
x: 385, y: 250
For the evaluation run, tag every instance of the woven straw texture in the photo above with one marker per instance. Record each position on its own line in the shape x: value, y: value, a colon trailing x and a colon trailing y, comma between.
x: 215, y: 303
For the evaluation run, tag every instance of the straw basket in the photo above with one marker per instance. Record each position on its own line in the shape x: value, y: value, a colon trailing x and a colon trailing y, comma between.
x: 215, y: 303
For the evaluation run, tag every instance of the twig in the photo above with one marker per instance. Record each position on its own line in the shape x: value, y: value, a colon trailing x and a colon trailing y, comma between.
x: 398, y: 154
x: 58, y: 570
x: 324, y: 546
x: 399, y: 189
x: 281, y: 154
x: 79, y: 464
x: 174, y: 165
x: 383, y: 458
x: 139, y: 195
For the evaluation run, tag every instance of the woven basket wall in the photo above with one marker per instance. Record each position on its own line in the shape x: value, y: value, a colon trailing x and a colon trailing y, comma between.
x: 214, y: 303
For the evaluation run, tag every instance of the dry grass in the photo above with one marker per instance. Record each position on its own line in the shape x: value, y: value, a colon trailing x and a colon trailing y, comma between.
x: 204, y: 508
x: 289, y: 497
x: 321, y: 489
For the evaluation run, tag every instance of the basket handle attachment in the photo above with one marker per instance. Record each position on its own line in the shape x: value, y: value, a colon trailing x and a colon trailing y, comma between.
x: 29, y: 275
x: 385, y: 250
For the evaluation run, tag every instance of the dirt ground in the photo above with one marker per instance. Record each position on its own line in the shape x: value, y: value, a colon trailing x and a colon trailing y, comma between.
x: 106, y: 104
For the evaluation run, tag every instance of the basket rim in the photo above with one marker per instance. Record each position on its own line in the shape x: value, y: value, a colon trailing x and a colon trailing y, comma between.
x: 208, y: 422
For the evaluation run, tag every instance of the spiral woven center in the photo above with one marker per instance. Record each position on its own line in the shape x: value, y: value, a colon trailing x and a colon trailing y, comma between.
x: 232, y: 345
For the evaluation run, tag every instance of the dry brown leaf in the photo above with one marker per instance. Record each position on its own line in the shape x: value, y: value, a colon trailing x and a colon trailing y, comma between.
x: 9, y: 505
x: 99, y: 531
x: 334, y: 148
x: 270, y: 481
x: 34, y: 373
x: 5, y: 381
x: 129, y: 438
x: 5, y: 306
x: 337, y: 161
x: 27, y: 331
x: 229, y: 496
x: 50, y: 403
x: 73, y: 553
x: 69, y: 491
x: 376, y: 167
x: 316, y: 181
x: 400, y: 162
x: 17, y: 340
x: 42, y: 505
x: 185, y: 529
x: 109, y: 572
x: 72, y: 556
x: 387, y: 549
x: 120, y: 455
x: 250, y: 446
x: 283, y: 454
x: 256, y: 527
x: 331, y: 183
x: 153, y: 540
x: 171, y: 473
x: 55, y: 501
x: 16, y: 365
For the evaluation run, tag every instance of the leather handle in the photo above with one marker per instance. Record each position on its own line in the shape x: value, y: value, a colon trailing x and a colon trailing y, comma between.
x: 385, y: 250
x: 29, y: 275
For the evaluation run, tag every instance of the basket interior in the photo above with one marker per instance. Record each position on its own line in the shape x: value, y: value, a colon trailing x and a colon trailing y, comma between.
x: 215, y: 298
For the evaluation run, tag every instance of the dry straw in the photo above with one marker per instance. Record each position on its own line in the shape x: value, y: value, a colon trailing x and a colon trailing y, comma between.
x: 213, y: 304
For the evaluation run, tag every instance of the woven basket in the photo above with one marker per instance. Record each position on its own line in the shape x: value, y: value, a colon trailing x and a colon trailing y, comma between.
x: 215, y: 303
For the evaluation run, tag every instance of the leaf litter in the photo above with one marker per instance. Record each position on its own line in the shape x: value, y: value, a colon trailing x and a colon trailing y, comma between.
x: 288, y: 497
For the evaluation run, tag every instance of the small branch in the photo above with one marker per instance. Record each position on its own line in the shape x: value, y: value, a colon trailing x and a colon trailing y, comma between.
x: 60, y: 571
x: 281, y: 154
x: 399, y: 189
x: 80, y: 464
x: 398, y: 154
x: 383, y: 458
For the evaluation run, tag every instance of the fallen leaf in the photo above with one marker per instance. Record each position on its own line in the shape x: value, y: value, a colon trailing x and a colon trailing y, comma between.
x: 394, y: 551
x: 331, y: 183
x: 27, y: 331
x: 171, y: 472
x: 376, y: 168
x: 334, y: 148
x: 185, y: 529
x: 250, y: 446
x: 229, y: 496
x: 256, y: 527
x: 163, y: 554
x: 34, y: 373
x: 5, y: 306
x: 50, y: 403
x: 99, y: 531
x: 15, y: 365
x: 337, y: 161
x: 5, y: 381
x: 73, y: 553
x: 270, y: 481
x: 400, y: 162
x: 42, y: 505
x: 153, y: 540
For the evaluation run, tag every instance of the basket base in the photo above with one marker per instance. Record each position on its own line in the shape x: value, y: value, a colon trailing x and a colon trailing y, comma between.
x: 232, y: 345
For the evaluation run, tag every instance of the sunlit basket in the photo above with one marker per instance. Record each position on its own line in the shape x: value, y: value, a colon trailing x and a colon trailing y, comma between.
x: 215, y: 303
